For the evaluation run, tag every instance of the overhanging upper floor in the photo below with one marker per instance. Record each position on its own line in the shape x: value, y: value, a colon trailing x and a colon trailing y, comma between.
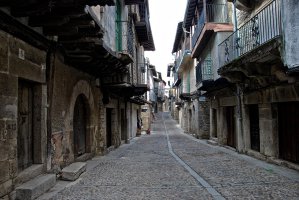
x: 71, y: 26
x: 253, y: 51
x: 207, y: 18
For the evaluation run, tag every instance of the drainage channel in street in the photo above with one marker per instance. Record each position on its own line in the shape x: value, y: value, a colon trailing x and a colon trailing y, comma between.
x: 196, y: 176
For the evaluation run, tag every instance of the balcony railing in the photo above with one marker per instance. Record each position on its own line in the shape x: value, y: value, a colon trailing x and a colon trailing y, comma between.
x: 204, y: 71
x: 180, y: 59
x: 124, y: 37
x: 142, y: 67
x: 181, y: 88
x: 175, y: 77
x: 214, y: 13
x: 260, y: 29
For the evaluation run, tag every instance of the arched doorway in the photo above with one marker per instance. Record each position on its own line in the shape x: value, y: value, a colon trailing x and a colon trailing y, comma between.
x: 79, y: 126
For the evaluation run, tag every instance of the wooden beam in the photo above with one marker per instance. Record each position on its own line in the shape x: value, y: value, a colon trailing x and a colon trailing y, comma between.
x: 8, y: 3
x: 30, y: 9
x: 45, y: 10
x: 60, y: 31
x: 47, y: 21
x: 79, y: 58
x: 84, y: 41
x: 19, y: 30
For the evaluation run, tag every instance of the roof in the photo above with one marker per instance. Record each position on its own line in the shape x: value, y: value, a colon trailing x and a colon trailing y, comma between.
x: 143, y: 27
x: 178, y: 37
x: 189, y: 13
x: 150, y: 44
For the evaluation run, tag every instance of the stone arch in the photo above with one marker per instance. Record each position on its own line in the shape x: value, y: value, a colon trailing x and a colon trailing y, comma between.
x: 82, y: 94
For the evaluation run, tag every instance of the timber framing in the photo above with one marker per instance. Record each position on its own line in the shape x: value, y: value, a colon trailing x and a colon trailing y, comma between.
x: 68, y: 23
x: 14, y: 27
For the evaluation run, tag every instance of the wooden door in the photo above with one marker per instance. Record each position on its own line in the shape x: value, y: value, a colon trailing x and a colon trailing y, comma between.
x: 108, y: 127
x: 254, y: 127
x: 25, y: 124
x: 288, y: 122
x: 79, y: 124
x: 123, y: 124
x: 214, y: 123
x: 230, y: 120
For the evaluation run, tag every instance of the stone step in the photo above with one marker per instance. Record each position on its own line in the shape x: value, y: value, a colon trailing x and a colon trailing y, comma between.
x: 35, y: 187
x: 212, y: 142
x: 73, y: 171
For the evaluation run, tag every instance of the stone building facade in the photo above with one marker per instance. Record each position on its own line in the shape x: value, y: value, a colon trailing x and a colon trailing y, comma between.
x: 189, y: 108
x: 246, y: 80
x: 70, y: 83
x: 208, y: 22
x: 262, y: 75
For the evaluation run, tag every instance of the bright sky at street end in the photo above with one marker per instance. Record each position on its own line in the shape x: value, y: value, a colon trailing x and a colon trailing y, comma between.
x: 164, y: 18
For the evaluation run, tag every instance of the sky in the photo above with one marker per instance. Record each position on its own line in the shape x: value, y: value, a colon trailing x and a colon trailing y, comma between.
x: 164, y: 18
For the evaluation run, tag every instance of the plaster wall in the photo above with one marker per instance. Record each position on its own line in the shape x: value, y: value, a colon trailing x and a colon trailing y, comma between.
x: 290, y: 23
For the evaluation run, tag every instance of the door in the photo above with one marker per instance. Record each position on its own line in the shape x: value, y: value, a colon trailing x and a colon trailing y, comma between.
x: 25, y: 124
x: 123, y: 124
x: 254, y: 127
x: 288, y: 122
x: 190, y: 121
x: 79, y: 125
x: 108, y: 127
x: 214, y: 123
x: 230, y: 119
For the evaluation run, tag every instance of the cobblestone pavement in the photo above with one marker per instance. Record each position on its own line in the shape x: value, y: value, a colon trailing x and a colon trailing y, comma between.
x: 146, y: 169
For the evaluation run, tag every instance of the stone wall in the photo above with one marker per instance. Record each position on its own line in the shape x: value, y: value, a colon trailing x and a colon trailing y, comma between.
x: 68, y: 85
x: 146, y: 117
x: 203, y: 119
x: 20, y: 63
x: 135, y: 109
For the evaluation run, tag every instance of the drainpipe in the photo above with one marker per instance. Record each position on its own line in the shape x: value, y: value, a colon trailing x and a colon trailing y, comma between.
x: 126, y: 120
x: 240, y: 116
x: 239, y: 88
x: 235, y: 16
x: 50, y: 79
x: 190, y: 38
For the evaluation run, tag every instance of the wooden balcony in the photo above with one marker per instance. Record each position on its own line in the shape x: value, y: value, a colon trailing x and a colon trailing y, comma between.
x: 132, y: 2
x: 204, y: 73
x: 79, y: 37
x: 184, y: 61
x: 143, y: 28
x: 213, y: 18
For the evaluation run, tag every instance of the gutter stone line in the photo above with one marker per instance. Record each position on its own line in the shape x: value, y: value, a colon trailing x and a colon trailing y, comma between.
x: 216, y: 195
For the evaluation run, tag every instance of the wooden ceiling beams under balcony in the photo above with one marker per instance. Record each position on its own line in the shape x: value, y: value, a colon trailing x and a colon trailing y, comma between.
x: 79, y: 36
x: 14, y: 27
x: 178, y: 38
x: 132, y: 2
x: 143, y: 27
x: 92, y: 56
x: 52, y: 3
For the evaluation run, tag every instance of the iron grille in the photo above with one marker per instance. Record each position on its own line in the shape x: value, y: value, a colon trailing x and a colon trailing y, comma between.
x: 204, y: 70
x: 261, y: 28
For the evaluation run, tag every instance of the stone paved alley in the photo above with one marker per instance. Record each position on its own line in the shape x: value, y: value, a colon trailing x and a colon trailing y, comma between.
x: 171, y: 165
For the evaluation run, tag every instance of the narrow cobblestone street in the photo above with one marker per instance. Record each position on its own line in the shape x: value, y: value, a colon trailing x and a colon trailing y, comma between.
x: 171, y: 165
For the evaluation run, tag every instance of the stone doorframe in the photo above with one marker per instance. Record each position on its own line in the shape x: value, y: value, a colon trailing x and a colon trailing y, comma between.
x: 82, y: 88
x: 38, y: 122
